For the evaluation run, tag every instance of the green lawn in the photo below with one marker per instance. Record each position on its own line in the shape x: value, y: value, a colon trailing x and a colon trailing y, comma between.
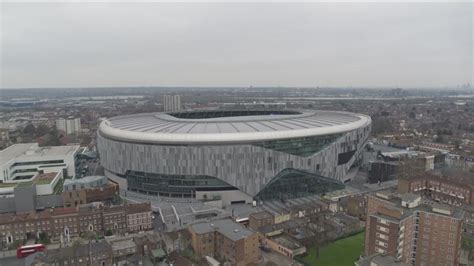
x: 467, y: 243
x: 342, y: 252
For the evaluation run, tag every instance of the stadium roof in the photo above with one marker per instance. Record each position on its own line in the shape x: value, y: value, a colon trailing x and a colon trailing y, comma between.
x: 228, y: 126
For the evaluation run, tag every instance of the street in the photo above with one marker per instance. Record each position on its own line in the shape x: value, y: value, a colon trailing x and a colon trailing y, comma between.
x: 12, y: 261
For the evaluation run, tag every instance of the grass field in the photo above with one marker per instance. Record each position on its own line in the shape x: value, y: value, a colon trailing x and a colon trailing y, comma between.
x: 339, y: 253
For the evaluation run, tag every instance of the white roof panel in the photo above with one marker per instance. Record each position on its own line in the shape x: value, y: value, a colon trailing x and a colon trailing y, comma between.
x: 170, y: 128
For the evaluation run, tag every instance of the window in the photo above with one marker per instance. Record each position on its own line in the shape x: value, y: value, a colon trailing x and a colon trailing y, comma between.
x: 380, y: 250
x: 343, y: 158
x: 383, y: 229
x: 382, y: 236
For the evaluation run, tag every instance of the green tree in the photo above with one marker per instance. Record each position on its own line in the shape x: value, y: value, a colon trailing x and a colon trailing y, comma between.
x: 108, y: 232
x: 43, y: 238
x: 381, y: 125
x: 440, y: 139
x: 29, y: 129
x: 42, y: 129
x: 53, y: 139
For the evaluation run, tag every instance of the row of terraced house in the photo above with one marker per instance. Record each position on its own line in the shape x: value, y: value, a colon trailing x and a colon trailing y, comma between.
x: 63, y: 224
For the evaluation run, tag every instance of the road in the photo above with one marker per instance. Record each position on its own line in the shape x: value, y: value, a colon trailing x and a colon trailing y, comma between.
x: 158, y: 224
x: 12, y: 261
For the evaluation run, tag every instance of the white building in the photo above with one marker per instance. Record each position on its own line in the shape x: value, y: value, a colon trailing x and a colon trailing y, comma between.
x: 171, y: 103
x: 70, y: 125
x: 21, y: 162
x: 61, y: 124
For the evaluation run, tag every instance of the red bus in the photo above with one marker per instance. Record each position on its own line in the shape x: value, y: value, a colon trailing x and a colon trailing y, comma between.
x: 24, y: 251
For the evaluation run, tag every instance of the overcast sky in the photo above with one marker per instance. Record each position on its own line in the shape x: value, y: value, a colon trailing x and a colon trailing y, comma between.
x: 243, y: 44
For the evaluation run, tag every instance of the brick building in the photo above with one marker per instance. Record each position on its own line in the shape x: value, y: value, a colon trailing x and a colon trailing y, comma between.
x: 90, y: 219
x: 259, y: 219
x: 62, y: 224
x: 91, y: 254
x: 88, y: 189
x: 414, y: 231
x: 139, y: 217
x: 355, y: 205
x: 450, y: 187
x: 114, y: 219
x: 227, y: 240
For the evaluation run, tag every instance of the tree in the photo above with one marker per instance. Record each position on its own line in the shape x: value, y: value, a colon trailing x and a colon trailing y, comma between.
x: 457, y: 143
x: 77, y: 242
x: 411, y: 115
x: 440, y: 139
x: 41, y: 130
x: 86, y: 140
x: 53, y: 139
x: 29, y: 129
x: 108, y: 232
x: 381, y: 125
x: 15, y: 244
x: 43, y: 238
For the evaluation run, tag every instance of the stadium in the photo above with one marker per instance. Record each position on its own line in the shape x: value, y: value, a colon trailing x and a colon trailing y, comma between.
x: 237, y: 156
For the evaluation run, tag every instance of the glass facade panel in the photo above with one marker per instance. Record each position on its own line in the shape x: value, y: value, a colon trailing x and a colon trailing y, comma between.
x: 36, y: 162
x: 292, y: 183
x: 300, y: 146
x: 343, y: 158
x: 181, y: 186
x: 230, y: 113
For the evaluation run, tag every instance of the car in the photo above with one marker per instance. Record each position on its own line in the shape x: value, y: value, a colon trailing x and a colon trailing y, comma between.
x: 265, y: 248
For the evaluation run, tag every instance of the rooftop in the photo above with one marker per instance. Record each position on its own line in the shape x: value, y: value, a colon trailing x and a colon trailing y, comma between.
x: 224, y: 126
x: 286, y: 242
x: 84, y: 180
x: 226, y: 227
x: 379, y: 260
x: 80, y: 251
x: 409, y: 197
x: 45, y: 178
x: 261, y: 215
x: 138, y: 208
x: 455, y: 176
x: 395, y: 202
x: 31, y: 151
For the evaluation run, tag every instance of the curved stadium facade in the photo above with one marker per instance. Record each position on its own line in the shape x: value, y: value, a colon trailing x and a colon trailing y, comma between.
x: 264, y: 154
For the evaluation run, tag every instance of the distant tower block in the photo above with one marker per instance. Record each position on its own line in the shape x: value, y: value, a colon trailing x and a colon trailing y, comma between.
x: 171, y: 103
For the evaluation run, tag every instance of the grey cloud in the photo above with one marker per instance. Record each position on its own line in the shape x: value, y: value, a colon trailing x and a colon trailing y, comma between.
x: 211, y: 44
